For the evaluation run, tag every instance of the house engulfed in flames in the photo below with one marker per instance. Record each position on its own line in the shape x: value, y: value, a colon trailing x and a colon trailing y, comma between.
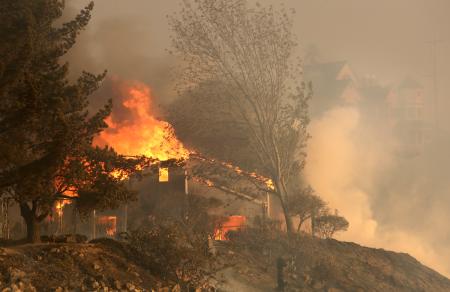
x: 141, y: 134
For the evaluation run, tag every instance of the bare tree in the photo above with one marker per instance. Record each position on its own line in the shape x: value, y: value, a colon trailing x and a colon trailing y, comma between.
x: 249, y: 56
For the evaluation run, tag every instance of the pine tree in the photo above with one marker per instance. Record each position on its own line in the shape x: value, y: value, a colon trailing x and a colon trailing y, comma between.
x: 46, y: 129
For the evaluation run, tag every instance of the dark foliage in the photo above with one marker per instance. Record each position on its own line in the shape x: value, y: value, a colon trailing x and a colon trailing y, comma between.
x: 46, y: 130
x: 176, y: 244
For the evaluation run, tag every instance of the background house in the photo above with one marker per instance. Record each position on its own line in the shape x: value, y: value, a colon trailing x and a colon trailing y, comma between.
x: 333, y: 84
x: 399, y: 109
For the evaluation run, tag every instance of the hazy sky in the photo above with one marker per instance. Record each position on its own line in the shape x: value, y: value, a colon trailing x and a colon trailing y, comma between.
x: 386, y: 38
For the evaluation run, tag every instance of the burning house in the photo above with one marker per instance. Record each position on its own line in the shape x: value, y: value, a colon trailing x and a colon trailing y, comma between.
x: 165, y: 184
x: 133, y: 130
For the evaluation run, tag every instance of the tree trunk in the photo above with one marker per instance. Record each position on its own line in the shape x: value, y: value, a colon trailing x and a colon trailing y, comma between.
x: 300, y: 223
x: 313, y: 224
x: 282, y: 195
x: 33, y: 231
x: 287, y: 217
x: 33, y: 223
x: 281, y: 264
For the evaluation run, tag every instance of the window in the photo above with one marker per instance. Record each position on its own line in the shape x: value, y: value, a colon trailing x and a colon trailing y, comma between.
x: 163, y: 174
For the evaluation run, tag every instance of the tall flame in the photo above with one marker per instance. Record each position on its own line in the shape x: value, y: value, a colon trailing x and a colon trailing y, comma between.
x: 134, y: 131
x: 140, y: 133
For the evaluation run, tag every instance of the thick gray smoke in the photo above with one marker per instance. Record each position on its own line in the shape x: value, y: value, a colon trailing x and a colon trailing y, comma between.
x: 128, y: 39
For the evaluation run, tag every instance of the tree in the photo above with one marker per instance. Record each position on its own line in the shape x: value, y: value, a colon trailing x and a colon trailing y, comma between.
x: 312, y: 55
x: 212, y: 123
x: 46, y: 129
x: 327, y: 225
x: 247, y: 55
x: 15, y: 50
x: 306, y: 205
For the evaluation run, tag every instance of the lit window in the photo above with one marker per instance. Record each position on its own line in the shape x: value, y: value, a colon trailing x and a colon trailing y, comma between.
x: 163, y: 174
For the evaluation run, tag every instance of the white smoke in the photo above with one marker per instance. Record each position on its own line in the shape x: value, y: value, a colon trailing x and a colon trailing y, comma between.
x: 346, y: 162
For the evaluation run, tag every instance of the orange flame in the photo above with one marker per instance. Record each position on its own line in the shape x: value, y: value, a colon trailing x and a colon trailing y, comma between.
x: 266, y: 181
x: 109, y: 223
x: 59, y: 206
x: 70, y: 192
x: 141, y: 133
x: 233, y: 223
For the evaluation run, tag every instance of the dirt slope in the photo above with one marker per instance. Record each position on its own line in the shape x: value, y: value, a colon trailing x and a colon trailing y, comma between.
x: 331, y: 265
x: 320, y: 265
x: 72, y: 267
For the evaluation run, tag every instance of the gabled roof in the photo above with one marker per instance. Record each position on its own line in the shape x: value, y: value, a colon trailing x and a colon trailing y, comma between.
x: 324, y: 78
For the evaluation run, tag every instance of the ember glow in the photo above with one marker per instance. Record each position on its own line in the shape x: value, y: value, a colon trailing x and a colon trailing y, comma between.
x: 140, y: 133
x: 69, y: 192
x: 233, y: 223
x: 109, y: 224
x: 60, y: 205
x: 264, y: 180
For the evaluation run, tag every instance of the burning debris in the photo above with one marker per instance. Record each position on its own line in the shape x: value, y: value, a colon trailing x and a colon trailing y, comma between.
x: 233, y: 223
x: 108, y: 224
x: 264, y: 182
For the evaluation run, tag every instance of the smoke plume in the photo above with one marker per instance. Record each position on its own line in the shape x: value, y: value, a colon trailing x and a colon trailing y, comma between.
x: 390, y: 202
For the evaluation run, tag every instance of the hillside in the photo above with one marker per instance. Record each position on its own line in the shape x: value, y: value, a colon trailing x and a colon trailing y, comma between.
x: 321, y: 265
x: 331, y: 265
